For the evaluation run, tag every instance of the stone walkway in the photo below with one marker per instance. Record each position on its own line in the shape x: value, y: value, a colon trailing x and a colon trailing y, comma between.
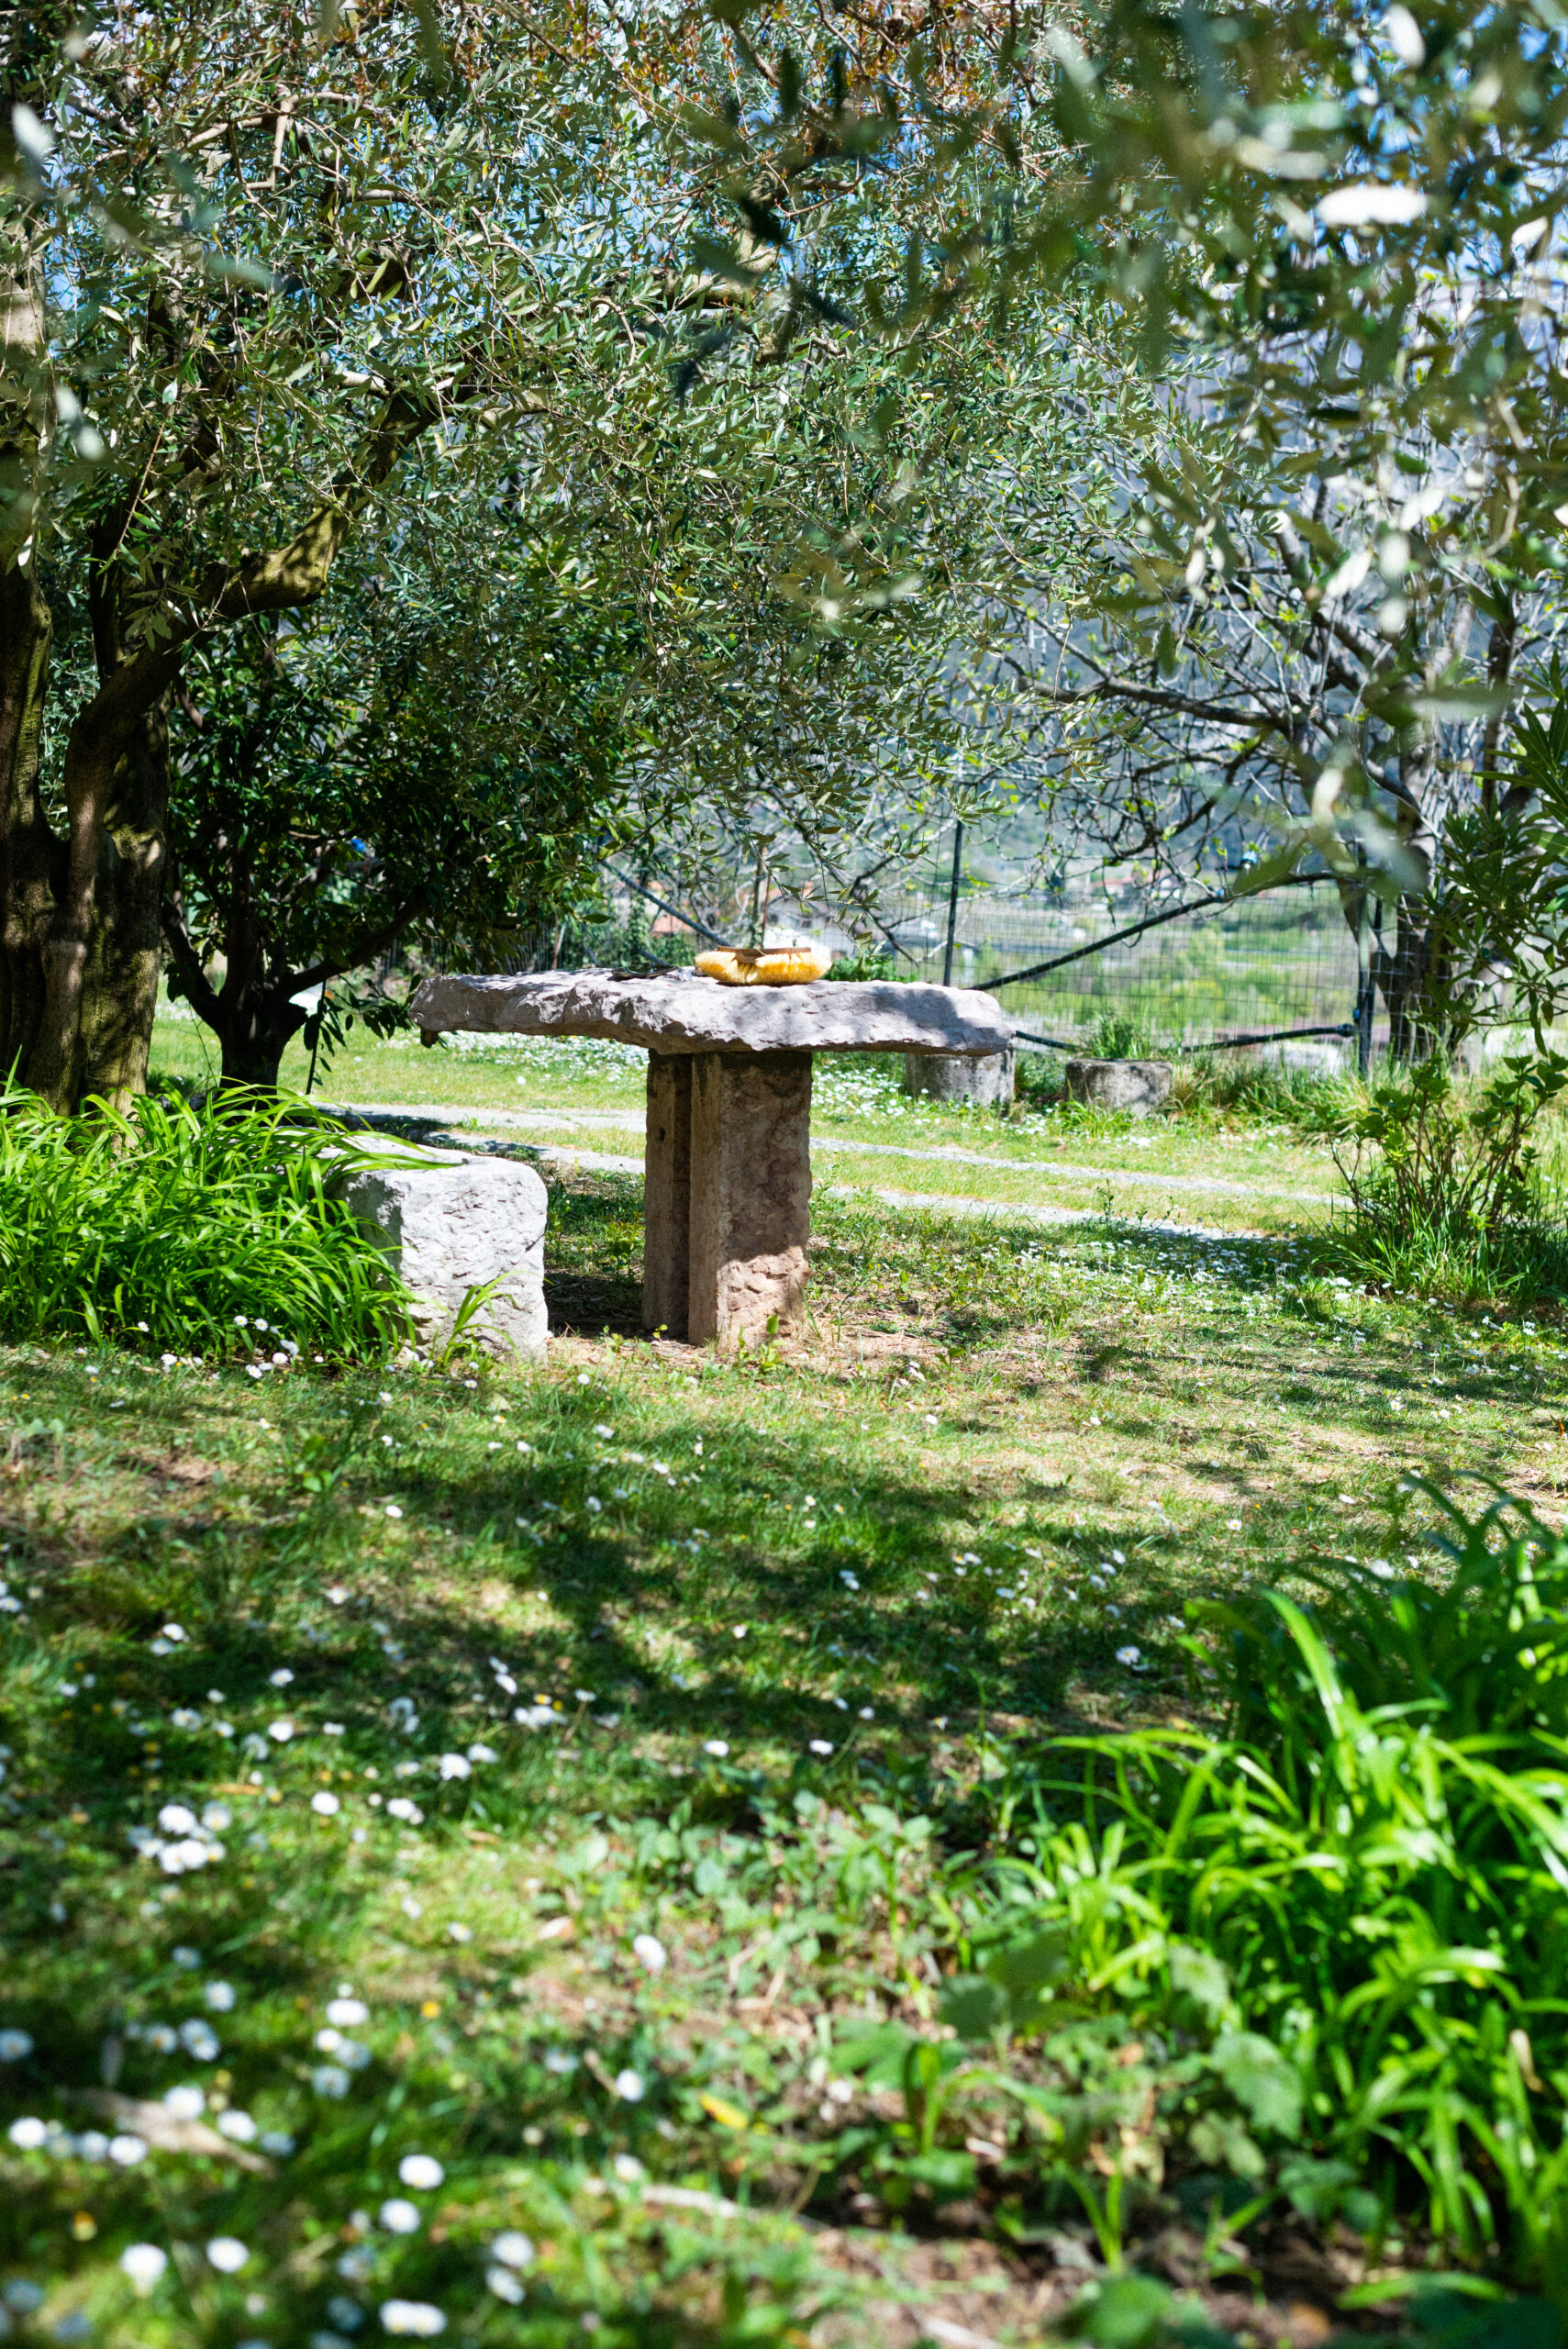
x: 630, y: 1121
x: 456, y: 1113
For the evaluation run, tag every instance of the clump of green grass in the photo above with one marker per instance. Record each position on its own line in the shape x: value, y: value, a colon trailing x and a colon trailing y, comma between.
x: 1122, y: 1036
x: 186, y: 1230
x: 1320, y: 1109
x: 1217, y: 1087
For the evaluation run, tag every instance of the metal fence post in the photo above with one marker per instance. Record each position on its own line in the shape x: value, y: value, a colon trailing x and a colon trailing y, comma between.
x: 1364, y: 992
x: 952, y: 899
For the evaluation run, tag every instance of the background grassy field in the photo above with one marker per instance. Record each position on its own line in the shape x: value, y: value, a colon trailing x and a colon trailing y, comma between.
x: 1199, y: 1167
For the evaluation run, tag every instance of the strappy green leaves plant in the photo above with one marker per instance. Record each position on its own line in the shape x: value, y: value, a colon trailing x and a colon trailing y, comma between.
x: 210, y: 1230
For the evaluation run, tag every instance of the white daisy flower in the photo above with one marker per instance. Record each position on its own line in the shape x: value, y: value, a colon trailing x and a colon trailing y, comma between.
x: 421, y: 2171
x: 144, y: 2264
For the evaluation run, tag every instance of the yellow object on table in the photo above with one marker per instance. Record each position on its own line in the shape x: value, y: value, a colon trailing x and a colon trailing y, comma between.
x: 764, y: 966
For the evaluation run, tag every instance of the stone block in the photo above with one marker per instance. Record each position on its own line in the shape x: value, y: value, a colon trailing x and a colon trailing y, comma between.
x: 1137, y: 1086
x: 985, y: 1080
x: 450, y: 1222
x: 750, y: 1194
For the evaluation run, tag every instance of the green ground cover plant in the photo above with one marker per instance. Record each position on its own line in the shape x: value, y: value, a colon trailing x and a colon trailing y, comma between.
x: 1445, y: 1186
x: 1347, y: 1894
x: 490, y: 1851
x: 185, y: 1229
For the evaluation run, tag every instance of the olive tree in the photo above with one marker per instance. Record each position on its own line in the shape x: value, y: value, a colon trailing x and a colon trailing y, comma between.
x: 264, y: 276
x: 1315, y: 257
x: 424, y: 761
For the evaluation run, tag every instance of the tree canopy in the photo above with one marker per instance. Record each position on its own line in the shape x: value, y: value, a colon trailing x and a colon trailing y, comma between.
x: 1309, y: 262
x: 268, y: 278
x: 428, y: 760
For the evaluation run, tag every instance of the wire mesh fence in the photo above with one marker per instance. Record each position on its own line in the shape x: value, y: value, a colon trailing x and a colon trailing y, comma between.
x: 1282, y: 963
x: 1126, y: 971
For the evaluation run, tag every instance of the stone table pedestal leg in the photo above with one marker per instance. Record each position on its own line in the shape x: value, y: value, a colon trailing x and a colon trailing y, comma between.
x: 727, y: 1193
x: 751, y: 1193
x: 667, y: 1194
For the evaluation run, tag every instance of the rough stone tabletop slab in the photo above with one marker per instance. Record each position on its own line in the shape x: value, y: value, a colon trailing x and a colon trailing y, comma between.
x: 698, y: 1015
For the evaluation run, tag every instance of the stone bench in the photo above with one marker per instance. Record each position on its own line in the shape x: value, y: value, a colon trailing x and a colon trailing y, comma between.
x: 728, y: 1157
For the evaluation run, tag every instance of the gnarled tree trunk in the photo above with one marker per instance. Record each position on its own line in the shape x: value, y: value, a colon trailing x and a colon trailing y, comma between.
x: 1411, y: 976
x: 254, y: 1042
x: 1410, y: 972
x: 120, y: 986
x: 80, y: 917
x: 101, y: 949
x: 253, y: 1013
x: 32, y: 864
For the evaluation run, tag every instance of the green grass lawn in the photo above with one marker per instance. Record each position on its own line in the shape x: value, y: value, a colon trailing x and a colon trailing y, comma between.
x: 595, y: 1752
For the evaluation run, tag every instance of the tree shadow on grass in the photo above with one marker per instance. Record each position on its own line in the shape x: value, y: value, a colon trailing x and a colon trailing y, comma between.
x: 689, y: 1613
x: 402, y: 1584
x: 805, y: 1580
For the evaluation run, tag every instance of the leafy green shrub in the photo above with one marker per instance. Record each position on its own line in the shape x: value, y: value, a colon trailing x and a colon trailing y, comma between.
x: 168, y: 1226
x: 1444, y: 1190
x: 1351, y: 1899
x: 598, y: 937
x: 869, y: 961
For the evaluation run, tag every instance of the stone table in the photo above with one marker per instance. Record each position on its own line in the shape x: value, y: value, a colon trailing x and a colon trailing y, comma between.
x: 728, y: 1151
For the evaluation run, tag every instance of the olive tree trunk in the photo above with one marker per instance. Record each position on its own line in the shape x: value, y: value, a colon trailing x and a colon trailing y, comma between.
x: 81, y: 915
x: 98, y: 958
x: 30, y: 861
x: 120, y: 980
x: 253, y: 1013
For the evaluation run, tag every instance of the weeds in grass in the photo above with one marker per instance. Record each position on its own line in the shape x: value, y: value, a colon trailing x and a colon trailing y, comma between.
x: 991, y: 1282
x: 1320, y: 1109
x: 1445, y: 1195
x: 1312, y: 1960
x: 1210, y: 1087
x: 194, y: 1231
x: 1039, y: 1082
x: 1121, y: 1036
